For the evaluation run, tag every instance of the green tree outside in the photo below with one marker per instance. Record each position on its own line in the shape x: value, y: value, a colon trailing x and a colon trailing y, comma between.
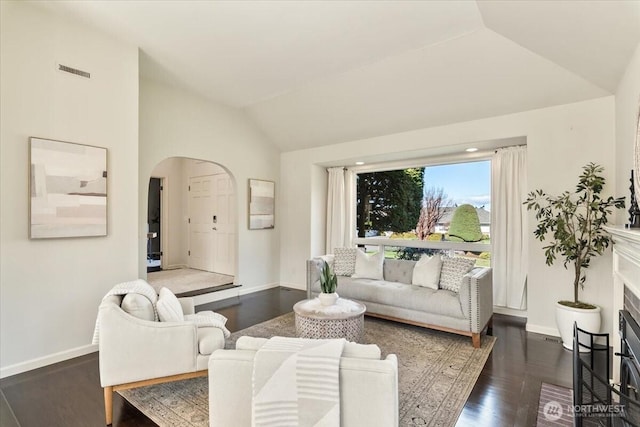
x: 389, y: 200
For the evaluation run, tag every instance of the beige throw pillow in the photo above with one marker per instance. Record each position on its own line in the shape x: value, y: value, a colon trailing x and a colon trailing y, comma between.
x: 344, y: 262
x: 427, y: 271
x: 453, y: 269
x: 369, y: 266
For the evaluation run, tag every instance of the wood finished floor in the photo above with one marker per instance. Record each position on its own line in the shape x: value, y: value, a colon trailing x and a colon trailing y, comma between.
x: 68, y: 394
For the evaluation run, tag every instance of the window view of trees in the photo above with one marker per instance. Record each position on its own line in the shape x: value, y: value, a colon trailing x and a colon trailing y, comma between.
x: 388, y: 201
x: 436, y: 203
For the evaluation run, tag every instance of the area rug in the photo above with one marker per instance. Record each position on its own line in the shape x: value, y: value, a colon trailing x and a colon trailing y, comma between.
x: 436, y: 373
x: 186, y: 282
x: 554, y: 407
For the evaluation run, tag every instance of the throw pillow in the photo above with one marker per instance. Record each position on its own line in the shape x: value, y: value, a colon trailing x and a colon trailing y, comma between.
x: 169, y: 308
x: 138, y: 306
x: 427, y: 271
x: 453, y: 269
x: 344, y: 263
x: 369, y: 266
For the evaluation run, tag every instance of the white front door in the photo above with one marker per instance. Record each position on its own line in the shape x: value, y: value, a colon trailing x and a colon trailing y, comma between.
x: 201, y: 227
x: 212, y: 224
x: 224, y: 225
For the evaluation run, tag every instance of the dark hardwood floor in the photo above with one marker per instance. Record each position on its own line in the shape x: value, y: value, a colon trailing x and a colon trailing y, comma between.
x: 68, y: 394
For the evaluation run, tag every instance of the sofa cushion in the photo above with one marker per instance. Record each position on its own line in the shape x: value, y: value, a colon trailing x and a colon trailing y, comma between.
x: 398, y: 270
x: 411, y: 297
x: 138, y: 306
x: 168, y: 306
x: 369, y: 266
x: 351, y: 349
x: 344, y: 263
x: 453, y: 270
x: 427, y: 271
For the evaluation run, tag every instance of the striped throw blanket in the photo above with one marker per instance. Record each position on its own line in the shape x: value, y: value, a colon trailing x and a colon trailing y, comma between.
x: 296, y: 383
x: 137, y: 286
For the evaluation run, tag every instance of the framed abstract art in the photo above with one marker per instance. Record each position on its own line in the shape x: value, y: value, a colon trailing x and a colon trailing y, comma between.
x: 68, y: 189
x: 261, y: 204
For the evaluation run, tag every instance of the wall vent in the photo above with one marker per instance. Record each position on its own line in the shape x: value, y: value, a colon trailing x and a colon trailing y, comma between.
x: 74, y: 71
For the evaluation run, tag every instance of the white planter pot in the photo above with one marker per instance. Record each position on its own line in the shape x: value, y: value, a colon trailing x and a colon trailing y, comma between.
x: 328, y: 299
x: 587, y: 319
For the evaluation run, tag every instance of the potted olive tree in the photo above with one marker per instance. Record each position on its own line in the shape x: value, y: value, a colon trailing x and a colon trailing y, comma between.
x: 328, y: 285
x: 574, y: 223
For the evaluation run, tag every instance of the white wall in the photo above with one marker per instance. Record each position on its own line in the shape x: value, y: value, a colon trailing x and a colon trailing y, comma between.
x: 560, y: 140
x: 627, y: 106
x: 176, y: 123
x: 50, y: 289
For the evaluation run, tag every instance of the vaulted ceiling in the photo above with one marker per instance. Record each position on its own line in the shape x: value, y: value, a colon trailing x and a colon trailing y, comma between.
x: 313, y: 73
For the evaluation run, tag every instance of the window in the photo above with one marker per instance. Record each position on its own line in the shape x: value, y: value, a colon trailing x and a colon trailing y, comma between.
x: 442, y: 203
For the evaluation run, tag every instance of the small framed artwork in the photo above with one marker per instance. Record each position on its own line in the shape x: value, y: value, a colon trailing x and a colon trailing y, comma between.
x: 68, y: 189
x: 261, y: 204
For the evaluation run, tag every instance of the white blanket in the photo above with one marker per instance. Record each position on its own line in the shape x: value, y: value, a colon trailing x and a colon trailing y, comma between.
x: 204, y: 319
x: 137, y: 286
x: 296, y: 382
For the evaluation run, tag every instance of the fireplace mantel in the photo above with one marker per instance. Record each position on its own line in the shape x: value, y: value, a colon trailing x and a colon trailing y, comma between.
x: 626, y: 272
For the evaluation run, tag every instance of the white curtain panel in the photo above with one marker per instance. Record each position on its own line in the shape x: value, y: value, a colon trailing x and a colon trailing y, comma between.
x: 336, y: 210
x: 509, y: 227
x: 350, y: 207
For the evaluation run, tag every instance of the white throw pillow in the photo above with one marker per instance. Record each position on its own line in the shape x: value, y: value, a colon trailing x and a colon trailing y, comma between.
x: 427, y: 271
x: 138, y: 306
x: 369, y: 266
x: 344, y: 263
x: 453, y: 269
x: 169, y: 308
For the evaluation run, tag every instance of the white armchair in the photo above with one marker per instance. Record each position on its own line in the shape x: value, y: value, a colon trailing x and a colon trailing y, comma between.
x: 136, y: 352
x: 368, y: 386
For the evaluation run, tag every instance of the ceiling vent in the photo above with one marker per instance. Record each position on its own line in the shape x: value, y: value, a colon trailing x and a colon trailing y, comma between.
x: 74, y: 71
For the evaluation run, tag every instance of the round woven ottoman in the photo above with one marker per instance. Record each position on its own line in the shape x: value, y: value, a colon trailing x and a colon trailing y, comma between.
x: 344, y: 319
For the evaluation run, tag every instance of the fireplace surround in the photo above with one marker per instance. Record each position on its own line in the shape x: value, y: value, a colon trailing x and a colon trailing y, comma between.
x: 626, y: 279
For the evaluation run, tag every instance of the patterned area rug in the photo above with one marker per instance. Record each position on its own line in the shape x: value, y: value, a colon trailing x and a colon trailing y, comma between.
x: 554, y: 408
x: 436, y: 373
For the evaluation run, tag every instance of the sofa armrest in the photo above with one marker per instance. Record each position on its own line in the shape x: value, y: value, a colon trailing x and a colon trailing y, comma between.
x: 314, y: 266
x: 133, y: 349
x: 476, y: 297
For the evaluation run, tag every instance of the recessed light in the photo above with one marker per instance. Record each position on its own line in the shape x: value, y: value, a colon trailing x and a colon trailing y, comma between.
x: 359, y: 163
x: 471, y: 150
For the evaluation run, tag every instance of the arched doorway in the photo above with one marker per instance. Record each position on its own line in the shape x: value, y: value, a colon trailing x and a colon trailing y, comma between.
x: 192, y: 226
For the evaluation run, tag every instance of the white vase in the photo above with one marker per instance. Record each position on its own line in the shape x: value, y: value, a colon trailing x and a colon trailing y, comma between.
x: 588, y: 319
x: 328, y: 299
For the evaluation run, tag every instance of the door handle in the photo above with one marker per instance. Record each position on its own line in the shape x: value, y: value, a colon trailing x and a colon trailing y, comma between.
x: 213, y: 228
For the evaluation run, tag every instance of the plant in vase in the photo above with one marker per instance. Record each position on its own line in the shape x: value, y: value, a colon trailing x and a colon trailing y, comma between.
x: 574, y: 223
x: 328, y: 285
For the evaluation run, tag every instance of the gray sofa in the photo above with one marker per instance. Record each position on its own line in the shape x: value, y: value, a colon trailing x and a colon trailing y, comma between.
x: 467, y: 312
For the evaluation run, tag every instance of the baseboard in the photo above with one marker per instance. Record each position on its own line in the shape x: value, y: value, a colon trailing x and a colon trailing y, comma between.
x: 174, y: 267
x: 510, y: 311
x: 40, y: 362
x: 544, y: 330
x: 245, y: 291
x: 294, y: 286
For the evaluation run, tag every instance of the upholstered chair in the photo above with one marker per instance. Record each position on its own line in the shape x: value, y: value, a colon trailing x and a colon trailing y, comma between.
x: 368, y: 385
x: 137, y: 350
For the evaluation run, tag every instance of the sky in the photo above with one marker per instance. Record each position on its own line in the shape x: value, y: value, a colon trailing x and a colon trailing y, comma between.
x: 462, y: 182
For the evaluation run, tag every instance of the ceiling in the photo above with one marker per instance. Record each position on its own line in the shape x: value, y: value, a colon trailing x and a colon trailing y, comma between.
x: 312, y: 73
